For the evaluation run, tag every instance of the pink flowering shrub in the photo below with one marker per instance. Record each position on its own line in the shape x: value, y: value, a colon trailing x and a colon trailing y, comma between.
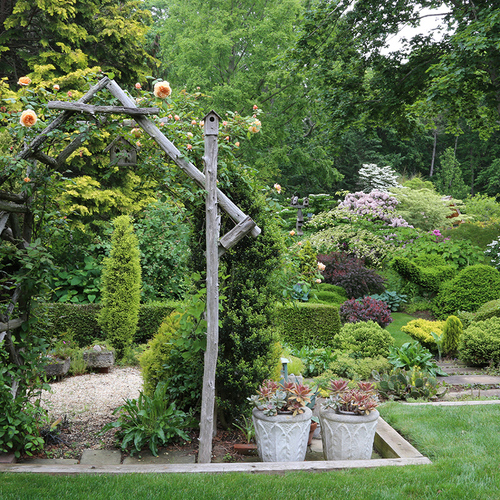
x: 353, y: 311
x: 350, y: 273
x: 375, y: 206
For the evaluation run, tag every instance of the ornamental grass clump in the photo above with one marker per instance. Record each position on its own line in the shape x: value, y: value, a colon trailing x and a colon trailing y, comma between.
x: 273, y: 397
x: 360, y: 400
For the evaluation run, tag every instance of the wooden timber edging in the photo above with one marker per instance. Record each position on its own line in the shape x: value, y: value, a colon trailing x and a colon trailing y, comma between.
x: 387, y: 441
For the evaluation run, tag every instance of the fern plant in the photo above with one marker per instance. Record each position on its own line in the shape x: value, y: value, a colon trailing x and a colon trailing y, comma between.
x: 149, y: 421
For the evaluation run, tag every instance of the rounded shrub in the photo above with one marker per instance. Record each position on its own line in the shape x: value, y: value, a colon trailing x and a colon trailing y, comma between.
x: 480, y: 343
x: 368, y: 309
x: 469, y: 290
x: 420, y: 329
x: 452, y: 332
x: 488, y: 310
x: 366, y: 339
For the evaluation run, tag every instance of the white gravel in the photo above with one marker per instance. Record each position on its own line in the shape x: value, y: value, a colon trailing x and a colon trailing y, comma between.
x: 93, y: 395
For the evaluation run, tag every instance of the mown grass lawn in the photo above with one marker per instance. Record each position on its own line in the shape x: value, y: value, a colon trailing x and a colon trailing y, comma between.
x: 462, y: 441
x: 394, y: 328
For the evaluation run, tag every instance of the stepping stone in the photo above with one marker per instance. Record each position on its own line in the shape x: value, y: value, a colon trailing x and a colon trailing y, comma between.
x: 7, y: 458
x: 164, y: 457
x: 51, y: 461
x: 471, y: 379
x: 101, y: 457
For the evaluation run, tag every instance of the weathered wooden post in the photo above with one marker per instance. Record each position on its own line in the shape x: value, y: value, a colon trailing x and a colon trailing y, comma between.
x: 207, y: 419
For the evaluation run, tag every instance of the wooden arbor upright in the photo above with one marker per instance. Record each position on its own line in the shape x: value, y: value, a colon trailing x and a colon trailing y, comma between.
x: 215, y: 198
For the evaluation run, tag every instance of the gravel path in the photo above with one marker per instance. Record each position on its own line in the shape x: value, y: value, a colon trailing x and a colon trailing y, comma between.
x: 93, y: 394
x: 87, y: 403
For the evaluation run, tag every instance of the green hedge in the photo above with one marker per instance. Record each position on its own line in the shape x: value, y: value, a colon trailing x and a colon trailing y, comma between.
x: 468, y: 291
x: 427, y: 277
x: 306, y: 324
x: 489, y: 310
x: 57, y: 318
x: 480, y: 343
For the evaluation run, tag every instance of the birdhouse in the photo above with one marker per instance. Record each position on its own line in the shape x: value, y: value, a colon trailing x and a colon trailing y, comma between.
x: 211, y: 123
x: 122, y: 152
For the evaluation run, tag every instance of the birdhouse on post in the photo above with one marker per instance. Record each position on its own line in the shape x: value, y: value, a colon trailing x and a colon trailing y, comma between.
x: 122, y: 152
x: 211, y: 122
x: 294, y: 203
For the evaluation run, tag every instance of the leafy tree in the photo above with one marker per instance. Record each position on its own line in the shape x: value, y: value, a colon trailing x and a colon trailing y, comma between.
x: 452, y: 78
x: 121, y: 287
x: 449, y: 177
x: 51, y: 38
x: 373, y: 177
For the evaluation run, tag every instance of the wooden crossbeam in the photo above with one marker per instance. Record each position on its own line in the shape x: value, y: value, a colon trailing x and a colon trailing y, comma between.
x: 89, y: 108
x: 186, y: 166
x: 236, y: 234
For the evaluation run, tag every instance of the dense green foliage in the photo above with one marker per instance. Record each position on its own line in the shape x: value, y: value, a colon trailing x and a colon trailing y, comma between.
x: 121, y: 287
x: 366, y: 339
x: 413, y: 355
x: 53, y: 38
x: 308, y: 324
x: 470, y: 289
x: 480, y: 343
x: 488, y: 310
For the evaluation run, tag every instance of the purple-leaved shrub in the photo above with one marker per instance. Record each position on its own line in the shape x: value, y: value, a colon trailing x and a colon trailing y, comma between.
x: 350, y: 273
x: 353, y: 311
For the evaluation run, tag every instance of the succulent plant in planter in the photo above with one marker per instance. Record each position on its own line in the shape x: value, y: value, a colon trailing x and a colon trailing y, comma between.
x: 358, y: 401
x: 282, y: 421
x: 99, y: 356
x: 348, y: 421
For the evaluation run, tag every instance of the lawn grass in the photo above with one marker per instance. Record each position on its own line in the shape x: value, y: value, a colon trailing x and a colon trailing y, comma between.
x: 394, y: 328
x: 462, y: 441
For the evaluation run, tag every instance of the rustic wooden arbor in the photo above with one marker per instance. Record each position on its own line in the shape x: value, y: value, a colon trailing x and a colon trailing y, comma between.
x: 215, y: 198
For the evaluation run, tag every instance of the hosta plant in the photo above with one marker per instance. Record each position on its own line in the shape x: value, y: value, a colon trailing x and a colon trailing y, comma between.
x: 360, y: 400
x: 412, y: 354
x: 273, y: 397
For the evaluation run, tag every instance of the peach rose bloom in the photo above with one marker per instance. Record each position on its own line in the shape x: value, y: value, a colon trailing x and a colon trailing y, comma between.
x: 24, y: 80
x: 138, y: 85
x: 28, y: 118
x: 56, y: 87
x: 162, y: 90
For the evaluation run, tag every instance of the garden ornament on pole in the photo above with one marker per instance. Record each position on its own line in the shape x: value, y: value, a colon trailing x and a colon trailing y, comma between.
x: 300, y: 216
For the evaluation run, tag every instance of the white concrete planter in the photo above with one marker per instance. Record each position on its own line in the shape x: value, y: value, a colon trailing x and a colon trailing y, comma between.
x: 347, y: 437
x: 283, y: 437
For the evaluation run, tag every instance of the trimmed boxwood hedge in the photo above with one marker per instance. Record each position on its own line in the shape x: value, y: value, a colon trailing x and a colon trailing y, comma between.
x: 467, y: 291
x: 306, y: 324
x: 480, y: 343
x: 57, y: 318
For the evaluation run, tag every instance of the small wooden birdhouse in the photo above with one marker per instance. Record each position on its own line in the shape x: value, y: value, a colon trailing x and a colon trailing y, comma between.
x: 122, y: 152
x: 211, y: 122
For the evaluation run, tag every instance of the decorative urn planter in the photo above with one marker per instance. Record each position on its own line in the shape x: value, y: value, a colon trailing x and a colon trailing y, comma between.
x: 99, y: 357
x: 57, y: 367
x: 347, y: 436
x: 282, y: 437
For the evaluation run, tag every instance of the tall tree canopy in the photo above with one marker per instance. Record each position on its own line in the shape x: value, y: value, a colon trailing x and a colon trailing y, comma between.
x: 454, y: 77
x: 57, y: 37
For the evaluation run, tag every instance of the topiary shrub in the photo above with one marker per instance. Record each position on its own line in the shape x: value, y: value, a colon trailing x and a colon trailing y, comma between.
x: 351, y: 274
x: 452, y: 332
x: 480, y: 343
x: 365, y: 339
x: 428, y: 277
x: 308, y: 324
x: 121, y: 287
x: 420, y: 329
x: 151, y: 316
x: 469, y: 290
x: 326, y: 297
x: 489, y: 310
x: 368, y: 309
